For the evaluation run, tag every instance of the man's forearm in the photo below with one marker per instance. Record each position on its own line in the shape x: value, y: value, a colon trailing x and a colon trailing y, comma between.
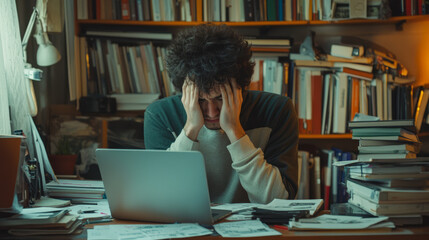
x: 183, y: 143
x: 262, y: 181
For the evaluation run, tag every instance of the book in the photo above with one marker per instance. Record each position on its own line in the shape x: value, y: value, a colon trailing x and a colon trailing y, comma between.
x: 386, y: 138
x: 355, y: 66
x: 284, y: 42
x: 406, y: 124
x: 313, y: 63
x: 421, y: 108
x: 384, y: 160
x: 372, y: 177
x: 74, y: 228
x: 340, y: 103
x: 347, y: 51
x: 380, y: 209
x: 379, y: 194
x: 34, y: 216
x: 373, y: 132
x: 360, y: 60
x: 65, y: 222
x: 402, y: 183
x: 386, y: 169
x: 397, y: 148
x: 366, y: 143
x: 365, y: 156
x: 357, y: 73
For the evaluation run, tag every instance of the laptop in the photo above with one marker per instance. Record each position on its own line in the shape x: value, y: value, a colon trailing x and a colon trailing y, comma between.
x: 157, y: 186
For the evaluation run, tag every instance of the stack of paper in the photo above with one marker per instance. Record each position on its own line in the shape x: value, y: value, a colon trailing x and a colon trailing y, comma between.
x: 41, y: 221
x: 339, y: 222
x: 279, y: 211
x: 77, y: 190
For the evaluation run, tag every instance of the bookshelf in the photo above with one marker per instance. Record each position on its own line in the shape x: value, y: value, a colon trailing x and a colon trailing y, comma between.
x: 260, y: 27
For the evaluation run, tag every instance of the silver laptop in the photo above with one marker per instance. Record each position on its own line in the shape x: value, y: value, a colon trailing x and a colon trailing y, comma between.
x: 156, y: 185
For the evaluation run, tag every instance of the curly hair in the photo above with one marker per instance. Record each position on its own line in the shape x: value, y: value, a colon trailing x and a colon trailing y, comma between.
x: 209, y: 55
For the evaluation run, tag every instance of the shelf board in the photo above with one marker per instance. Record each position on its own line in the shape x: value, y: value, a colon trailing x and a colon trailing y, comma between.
x: 329, y: 136
x: 393, y: 20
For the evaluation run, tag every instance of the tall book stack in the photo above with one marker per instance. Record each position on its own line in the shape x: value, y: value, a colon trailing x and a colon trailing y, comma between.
x: 387, y: 179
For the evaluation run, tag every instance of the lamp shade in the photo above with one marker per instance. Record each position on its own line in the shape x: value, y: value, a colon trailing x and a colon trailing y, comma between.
x: 47, y: 54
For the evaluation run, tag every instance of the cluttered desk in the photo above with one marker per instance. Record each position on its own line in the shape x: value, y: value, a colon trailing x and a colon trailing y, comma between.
x: 87, y: 214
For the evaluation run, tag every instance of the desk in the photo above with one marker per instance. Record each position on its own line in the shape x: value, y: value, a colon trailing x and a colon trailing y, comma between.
x: 402, y: 233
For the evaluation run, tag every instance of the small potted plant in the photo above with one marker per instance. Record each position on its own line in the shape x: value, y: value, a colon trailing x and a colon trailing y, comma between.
x: 64, y: 160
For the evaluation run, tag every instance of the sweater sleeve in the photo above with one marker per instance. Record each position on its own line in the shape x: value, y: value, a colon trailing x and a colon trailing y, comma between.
x: 183, y: 143
x: 261, y: 180
x: 275, y: 169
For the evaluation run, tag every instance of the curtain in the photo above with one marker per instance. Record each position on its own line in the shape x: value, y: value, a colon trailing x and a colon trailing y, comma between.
x: 13, y: 84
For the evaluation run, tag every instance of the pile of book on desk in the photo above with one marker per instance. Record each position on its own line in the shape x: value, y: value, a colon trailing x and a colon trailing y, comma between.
x: 41, y: 221
x: 77, y: 191
x: 387, y: 179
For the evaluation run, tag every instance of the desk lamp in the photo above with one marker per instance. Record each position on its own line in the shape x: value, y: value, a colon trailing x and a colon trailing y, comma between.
x: 47, y: 55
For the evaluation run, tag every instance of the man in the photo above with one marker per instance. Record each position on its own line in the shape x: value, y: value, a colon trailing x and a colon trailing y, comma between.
x: 248, y: 138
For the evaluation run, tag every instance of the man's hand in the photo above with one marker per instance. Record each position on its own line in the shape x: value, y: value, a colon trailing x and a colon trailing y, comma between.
x: 232, y: 99
x: 195, y: 119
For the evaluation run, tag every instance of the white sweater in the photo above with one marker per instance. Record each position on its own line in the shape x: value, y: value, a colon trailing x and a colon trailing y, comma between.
x: 237, y: 168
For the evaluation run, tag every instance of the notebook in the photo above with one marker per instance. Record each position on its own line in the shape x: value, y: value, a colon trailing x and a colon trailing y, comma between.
x: 157, y: 185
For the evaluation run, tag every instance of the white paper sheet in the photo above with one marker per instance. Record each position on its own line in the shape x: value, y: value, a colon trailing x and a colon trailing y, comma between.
x: 293, y: 205
x: 237, y: 207
x: 250, y: 228
x: 327, y: 221
x: 147, y: 231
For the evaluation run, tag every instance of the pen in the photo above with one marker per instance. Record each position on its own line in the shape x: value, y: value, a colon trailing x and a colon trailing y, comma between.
x: 281, y: 227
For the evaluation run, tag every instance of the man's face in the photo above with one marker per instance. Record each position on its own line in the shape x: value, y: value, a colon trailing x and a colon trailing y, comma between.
x: 211, y: 104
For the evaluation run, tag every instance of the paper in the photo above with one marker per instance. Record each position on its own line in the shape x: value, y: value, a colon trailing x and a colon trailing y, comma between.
x: 147, y: 231
x: 327, y: 221
x: 311, y: 205
x: 101, y: 210
x: 237, y: 207
x: 250, y: 228
x: 242, y: 215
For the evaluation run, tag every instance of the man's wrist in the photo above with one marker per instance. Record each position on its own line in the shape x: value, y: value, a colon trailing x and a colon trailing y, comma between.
x: 235, y: 134
x: 191, y: 132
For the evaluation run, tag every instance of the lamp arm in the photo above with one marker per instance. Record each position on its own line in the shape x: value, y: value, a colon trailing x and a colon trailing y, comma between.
x: 28, y: 32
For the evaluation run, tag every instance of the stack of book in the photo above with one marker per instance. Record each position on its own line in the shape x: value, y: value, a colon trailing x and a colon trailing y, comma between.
x: 385, y: 139
x: 387, y: 179
x: 41, y: 221
x: 78, y: 191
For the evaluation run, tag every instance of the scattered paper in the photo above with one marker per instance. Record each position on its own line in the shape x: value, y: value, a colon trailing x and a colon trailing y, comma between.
x: 147, y: 231
x: 312, y: 205
x: 100, y: 210
x: 250, y: 228
x: 327, y: 221
x: 242, y: 215
x: 237, y: 207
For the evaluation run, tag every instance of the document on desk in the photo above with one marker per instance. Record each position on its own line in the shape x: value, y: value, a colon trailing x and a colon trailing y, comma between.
x: 250, y: 228
x: 147, y: 231
x: 332, y: 222
x: 312, y: 205
x: 237, y: 207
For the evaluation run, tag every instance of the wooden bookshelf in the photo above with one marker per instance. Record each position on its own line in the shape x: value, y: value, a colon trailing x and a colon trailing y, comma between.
x: 168, y: 26
x: 326, y: 136
x: 393, y: 20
